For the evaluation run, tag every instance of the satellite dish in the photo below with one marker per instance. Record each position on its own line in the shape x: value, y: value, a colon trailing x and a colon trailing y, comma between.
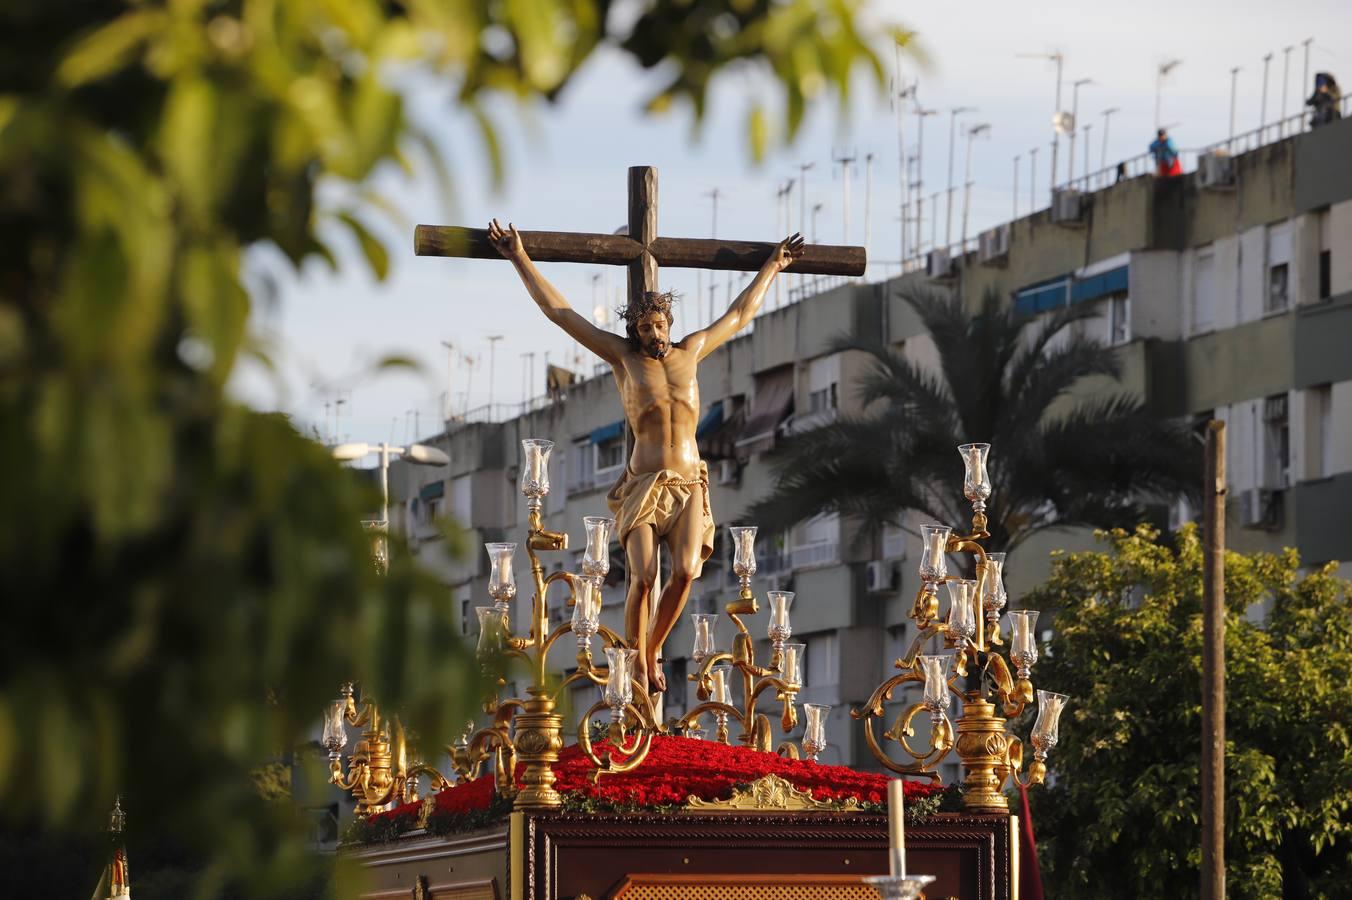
x: 1063, y: 122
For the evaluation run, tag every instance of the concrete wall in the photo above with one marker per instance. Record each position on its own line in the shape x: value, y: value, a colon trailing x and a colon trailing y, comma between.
x: 1322, y: 172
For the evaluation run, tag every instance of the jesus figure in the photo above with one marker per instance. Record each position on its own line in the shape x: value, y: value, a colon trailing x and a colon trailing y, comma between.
x: 663, y: 494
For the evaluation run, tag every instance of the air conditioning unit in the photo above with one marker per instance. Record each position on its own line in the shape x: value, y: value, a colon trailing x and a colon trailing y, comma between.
x: 938, y: 265
x: 993, y: 245
x: 1215, y: 170
x: 729, y: 473
x: 880, y: 576
x: 1067, y: 206
x: 1260, y: 508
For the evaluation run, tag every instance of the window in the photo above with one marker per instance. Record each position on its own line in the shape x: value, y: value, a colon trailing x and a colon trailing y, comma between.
x: 1319, y: 431
x: 610, y: 454
x: 816, y: 542
x: 1279, y: 267
x: 822, y: 399
x: 823, y: 376
x: 1276, y: 442
x: 1277, y: 288
x: 582, y: 472
x: 1119, y: 319
x: 1325, y: 256
x: 1203, y: 292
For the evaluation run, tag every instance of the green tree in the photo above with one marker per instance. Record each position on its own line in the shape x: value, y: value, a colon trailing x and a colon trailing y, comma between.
x: 1122, y: 818
x: 1057, y: 458
x: 184, y: 579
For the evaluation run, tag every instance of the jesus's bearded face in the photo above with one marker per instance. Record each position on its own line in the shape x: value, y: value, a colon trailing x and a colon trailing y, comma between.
x: 654, y: 334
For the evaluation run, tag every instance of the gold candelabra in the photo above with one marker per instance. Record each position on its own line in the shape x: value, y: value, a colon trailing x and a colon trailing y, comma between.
x: 783, y: 675
x: 974, y: 671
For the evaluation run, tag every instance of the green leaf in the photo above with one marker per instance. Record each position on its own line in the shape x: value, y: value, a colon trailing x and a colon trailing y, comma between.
x: 758, y: 132
x: 376, y: 254
x: 109, y: 48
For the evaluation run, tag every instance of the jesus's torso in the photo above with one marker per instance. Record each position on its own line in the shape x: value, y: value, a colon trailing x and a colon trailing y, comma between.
x: 661, y: 404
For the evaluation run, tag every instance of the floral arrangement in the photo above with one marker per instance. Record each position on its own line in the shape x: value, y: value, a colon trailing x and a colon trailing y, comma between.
x: 676, y: 769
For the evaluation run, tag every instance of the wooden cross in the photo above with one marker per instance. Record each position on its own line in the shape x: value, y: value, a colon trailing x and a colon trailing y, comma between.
x: 641, y: 250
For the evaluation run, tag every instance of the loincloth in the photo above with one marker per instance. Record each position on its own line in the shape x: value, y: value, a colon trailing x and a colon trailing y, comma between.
x: 658, y: 499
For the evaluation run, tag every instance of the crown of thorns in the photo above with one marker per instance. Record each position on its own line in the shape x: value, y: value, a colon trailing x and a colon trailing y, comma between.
x: 649, y: 302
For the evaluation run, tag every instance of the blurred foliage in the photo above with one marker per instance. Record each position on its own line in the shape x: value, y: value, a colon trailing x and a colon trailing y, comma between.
x: 1123, y: 817
x: 185, y: 580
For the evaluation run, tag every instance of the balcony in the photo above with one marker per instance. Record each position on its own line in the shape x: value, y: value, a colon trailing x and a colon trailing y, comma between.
x: 821, y: 553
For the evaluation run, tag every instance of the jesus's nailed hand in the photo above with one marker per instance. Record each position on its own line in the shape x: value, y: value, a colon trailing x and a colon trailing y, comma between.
x: 788, y: 250
x: 507, y: 240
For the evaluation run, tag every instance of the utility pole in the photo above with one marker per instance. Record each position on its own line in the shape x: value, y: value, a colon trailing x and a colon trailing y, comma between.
x: 1286, y: 87
x: 1103, y: 161
x: 1262, y: 110
x: 972, y: 133
x: 1213, y: 666
x: 845, y: 162
x: 450, y: 371
x: 1305, y: 80
x: 1234, y: 83
x: 952, y: 135
x: 1074, y: 123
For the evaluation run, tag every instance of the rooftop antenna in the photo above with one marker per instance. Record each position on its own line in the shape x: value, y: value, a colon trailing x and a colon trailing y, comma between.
x: 1286, y: 85
x: 972, y: 133
x: 450, y: 372
x: 952, y: 135
x: 1074, y: 124
x: 845, y: 162
x: 1262, y: 110
x: 1059, y: 58
x: 919, y: 184
x: 1305, y: 75
x: 713, y: 233
x: 1160, y: 73
x: 1103, y: 160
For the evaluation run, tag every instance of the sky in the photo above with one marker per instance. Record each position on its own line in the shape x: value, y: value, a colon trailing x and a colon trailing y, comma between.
x: 326, y: 333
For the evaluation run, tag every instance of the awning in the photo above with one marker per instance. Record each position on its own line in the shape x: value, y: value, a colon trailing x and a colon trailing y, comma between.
x: 607, y: 432
x: 433, y: 490
x: 712, y: 419
x: 772, y: 404
x: 1042, y: 297
x: 1114, y: 281
x: 720, y: 441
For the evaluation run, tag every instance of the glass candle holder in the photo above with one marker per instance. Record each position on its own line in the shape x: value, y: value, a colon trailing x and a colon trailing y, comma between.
x: 535, y: 469
x: 779, y: 630
x: 976, y: 482
x: 791, y: 665
x: 935, y: 669
x: 993, y: 596
x: 962, y: 608
x: 694, y: 731
x: 933, y: 564
x: 743, y: 550
x: 619, y: 689
x: 501, y: 578
x: 1022, y: 641
x: 719, y: 677
x: 492, y: 632
x: 596, y: 559
x: 814, y: 729
x: 335, y: 727
x: 704, y: 636
x: 1045, y: 729
x: 586, y: 610
x: 899, y: 887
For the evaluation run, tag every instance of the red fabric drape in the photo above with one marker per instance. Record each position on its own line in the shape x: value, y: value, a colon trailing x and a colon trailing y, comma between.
x: 1030, y: 875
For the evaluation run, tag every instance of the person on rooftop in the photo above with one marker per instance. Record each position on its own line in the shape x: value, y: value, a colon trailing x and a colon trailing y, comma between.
x: 1167, y: 162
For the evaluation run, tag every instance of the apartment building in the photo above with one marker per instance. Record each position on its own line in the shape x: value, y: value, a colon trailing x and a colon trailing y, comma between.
x: 1226, y: 292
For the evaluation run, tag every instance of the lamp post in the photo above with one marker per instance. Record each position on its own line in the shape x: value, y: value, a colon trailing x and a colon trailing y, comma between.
x: 420, y: 454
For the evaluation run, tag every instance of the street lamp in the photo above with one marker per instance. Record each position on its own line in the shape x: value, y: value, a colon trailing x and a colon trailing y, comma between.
x: 419, y: 454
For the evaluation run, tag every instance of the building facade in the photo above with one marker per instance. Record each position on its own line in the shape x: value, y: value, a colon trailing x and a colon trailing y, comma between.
x: 1226, y: 292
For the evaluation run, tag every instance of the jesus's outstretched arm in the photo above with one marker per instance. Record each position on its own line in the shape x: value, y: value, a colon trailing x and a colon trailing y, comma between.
x: 604, y: 344
x: 743, y: 309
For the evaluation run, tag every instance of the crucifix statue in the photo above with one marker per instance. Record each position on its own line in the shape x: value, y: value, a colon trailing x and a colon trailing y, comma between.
x: 663, y: 494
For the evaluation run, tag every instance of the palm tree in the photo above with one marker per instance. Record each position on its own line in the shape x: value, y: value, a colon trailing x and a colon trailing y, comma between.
x: 1063, y: 452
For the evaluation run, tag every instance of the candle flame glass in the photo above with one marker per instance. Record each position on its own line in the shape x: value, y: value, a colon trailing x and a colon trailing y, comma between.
x: 1045, y: 729
x: 596, y: 559
x: 899, y: 887
x: 619, y: 690
x: 814, y: 730
x: 719, y: 676
x: 962, y: 609
x: 704, y: 636
x: 993, y: 588
x: 780, y: 630
x: 743, y: 550
x: 501, y: 579
x: 791, y: 668
x: 492, y: 632
x: 335, y: 730
x: 933, y: 539
x: 586, y: 608
x: 935, y: 669
x: 1022, y: 642
x: 976, y: 482
x: 535, y: 467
